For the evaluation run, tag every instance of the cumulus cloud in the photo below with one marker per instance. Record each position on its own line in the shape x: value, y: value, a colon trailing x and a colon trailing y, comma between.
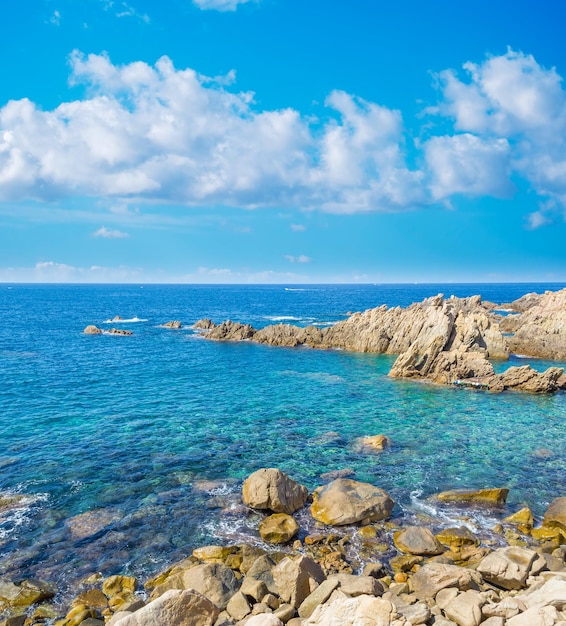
x: 220, y: 5
x: 158, y: 134
x: 517, y: 110
x: 167, y: 135
x: 302, y: 258
x: 108, y: 233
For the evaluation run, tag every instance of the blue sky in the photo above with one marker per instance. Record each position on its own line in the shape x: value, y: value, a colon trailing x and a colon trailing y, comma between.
x: 282, y: 141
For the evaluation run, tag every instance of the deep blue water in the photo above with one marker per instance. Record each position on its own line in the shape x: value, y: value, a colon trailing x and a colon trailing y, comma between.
x: 132, y: 426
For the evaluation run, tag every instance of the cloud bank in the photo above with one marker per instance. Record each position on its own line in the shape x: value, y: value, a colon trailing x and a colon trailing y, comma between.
x: 220, y: 5
x: 163, y: 135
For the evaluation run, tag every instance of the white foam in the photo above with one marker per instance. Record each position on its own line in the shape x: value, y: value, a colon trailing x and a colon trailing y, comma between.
x: 18, y: 514
x: 131, y: 320
x: 281, y: 318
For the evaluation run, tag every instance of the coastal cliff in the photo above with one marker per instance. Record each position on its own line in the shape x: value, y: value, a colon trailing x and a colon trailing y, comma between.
x: 442, y: 340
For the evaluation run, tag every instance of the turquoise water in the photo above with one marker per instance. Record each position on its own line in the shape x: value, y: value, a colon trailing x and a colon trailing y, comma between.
x: 134, y: 425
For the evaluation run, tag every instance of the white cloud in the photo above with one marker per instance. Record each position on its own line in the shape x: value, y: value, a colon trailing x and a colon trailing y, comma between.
x: 468, y: 164
x: 512, y: 99
x: 166, y: 135
x: 123, y: 9
x: 302, y: 258
x: 298, y: 228
x: 55, y: 19
x: 108, y: 233
x: 220, y: 5
x: 54, y: 272
x: 156, y: 134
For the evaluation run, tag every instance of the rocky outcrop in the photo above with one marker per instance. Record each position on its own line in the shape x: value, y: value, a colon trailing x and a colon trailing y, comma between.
x: 173, y: 324
x: 94, y: 330
x: 540, y: 330
x: 443, y: 340
x: 345, y: 501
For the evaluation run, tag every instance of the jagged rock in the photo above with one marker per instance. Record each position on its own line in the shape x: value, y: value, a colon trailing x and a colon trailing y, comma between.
x: 433, y: 576
x: 119, y: 331
x: 91, y: 329
x: 525, y: 378
x: 496, y: 496
x: 278, y: 528
x: 523, y: 517
x: 174, y: 608
x: 262, y: 570
x: 507, y: 567
x: 555, y: 514
x: 273, y: 490
x: 114, y: 585
x: 417, y: 540
x: 238, y: 606
x: 552, y: 593
x: 230, y: 331
x: 319, y: 596
x: 215, y: 581
x: 544, y: 616
x: 297, y: 578
x: 204, y: 324
x: 345, y: 501
x: 174, y: 324
x: 356, y: 612
x: 358, y: 585
x: 542, y: 329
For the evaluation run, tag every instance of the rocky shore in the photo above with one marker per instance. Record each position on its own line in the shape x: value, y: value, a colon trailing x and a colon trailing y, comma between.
x: 402, y: 574
x: 442, y: 340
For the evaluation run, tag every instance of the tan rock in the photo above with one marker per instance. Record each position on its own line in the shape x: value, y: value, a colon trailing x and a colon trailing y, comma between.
x: 415, y: 614
x: 92, y: 330
x: 174, y: 608
x: 376, y: 443
x: 254, y: 589
x: 92, y: 522
x: 417, y: 540
x: 238, y: 606
x: 465, y: 609
x: 215, y: 581
x: 359, y: 611
x: 262, y: 570
x: 278, y: 528
x: 319, y: 596
x: 114, y: 585
x: 507, y: 567
x: 265, y: 619
x: 345, y: 501
x: 354, y: 586
x: 523, y: 517
x: 212, y: 554
x: 494, y: 497
x: 544, y: 616
x: 273, y: 490
x: 297, y: 578
x: 432, y: 577
x: 457, y: 537
x: 555, y: 514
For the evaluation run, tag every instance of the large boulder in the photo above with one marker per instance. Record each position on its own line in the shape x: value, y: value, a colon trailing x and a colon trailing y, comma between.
x: 297, y: 578
x: 507, y: 567
x: 346, y: 501
x: 278, y: 528
x: 433, y: 577
x: 465, y: 608
x: 215, y: 581
x: 359, y: 611
x: 273, y: 490
x: 555, y: 514
x: 417, y: 540
x: 174, y: 608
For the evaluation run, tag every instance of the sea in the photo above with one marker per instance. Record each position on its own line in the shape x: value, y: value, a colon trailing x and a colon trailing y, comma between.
x: 121, y: 454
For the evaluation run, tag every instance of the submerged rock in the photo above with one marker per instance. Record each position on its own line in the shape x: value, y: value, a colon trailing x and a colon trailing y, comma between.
x: 496, y: 496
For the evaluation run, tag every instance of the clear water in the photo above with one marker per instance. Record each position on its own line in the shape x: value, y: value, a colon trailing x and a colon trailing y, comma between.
x: 133, y: 425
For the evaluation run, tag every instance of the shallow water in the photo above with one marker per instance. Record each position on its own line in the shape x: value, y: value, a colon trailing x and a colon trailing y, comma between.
x: 134, y: 425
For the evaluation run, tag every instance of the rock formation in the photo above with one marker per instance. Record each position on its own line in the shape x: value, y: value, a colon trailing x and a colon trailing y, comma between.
x: 443, y: 340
